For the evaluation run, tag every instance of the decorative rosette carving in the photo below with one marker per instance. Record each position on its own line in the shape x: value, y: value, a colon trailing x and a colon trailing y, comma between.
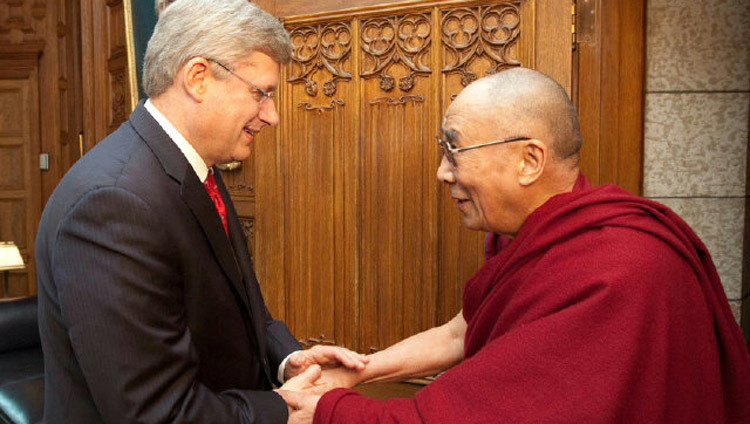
x: 396, y: 39
x: 490, y: 31
x: 325, y: 47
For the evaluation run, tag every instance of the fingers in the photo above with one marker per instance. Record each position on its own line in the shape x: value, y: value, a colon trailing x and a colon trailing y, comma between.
x: 309, y: 375
x: 292, y: 399
x: 333, y: 355
x: 305, y: 380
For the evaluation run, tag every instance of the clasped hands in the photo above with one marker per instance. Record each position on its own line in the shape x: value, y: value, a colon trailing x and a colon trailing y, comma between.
x: 312, y: 372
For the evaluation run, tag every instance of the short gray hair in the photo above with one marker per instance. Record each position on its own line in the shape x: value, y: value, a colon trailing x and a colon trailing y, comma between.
x: 224, y: 30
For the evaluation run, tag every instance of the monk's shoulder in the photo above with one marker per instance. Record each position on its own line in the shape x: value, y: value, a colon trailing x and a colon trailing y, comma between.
x: 617, y: 255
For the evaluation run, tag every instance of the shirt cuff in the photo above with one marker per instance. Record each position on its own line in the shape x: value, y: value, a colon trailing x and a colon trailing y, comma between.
x: 282, y: 367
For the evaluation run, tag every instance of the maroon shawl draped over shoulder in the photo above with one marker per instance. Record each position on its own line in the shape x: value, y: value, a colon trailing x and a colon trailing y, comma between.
x: 605, y: 308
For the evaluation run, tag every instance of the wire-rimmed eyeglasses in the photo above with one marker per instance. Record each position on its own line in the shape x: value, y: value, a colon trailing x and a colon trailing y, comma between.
x: 447, y: 149
x: 259, y: 94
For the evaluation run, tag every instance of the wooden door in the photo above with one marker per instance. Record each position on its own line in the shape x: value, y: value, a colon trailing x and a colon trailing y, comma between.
x: 20, y: 181
x: 374, y: 250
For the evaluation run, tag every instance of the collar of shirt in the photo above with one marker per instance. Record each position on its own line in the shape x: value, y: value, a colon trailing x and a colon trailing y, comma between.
x: 187, y: 149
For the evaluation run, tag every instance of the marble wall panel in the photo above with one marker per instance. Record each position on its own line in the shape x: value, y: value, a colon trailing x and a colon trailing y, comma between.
x: 697, y: 45
x: 695, y: 144
x: 720, y: 224
x: 736, y: 307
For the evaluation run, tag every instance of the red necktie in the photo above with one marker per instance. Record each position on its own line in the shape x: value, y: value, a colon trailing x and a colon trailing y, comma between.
x: 213, y: 192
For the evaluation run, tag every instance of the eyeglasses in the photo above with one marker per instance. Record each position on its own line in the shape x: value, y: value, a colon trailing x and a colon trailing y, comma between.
x: 259, y: 94
x: 447, y: 149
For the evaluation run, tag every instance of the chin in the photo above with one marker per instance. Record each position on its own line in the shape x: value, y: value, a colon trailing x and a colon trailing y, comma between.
x: 472, y: 224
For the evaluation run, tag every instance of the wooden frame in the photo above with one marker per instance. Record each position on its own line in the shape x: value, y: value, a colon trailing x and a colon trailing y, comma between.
x: 140, y: 19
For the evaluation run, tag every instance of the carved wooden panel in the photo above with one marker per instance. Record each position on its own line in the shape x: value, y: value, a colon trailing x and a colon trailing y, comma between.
x: 22, y: 21
x: 480, y: 40
x: 106, y: 94
x: 117, y: 64
x: 323, y: 51
x: 402, y: 41
x: 399, y: 247
x: 320, y: 166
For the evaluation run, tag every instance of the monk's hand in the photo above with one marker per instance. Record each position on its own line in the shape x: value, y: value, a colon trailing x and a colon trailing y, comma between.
x: 302, y: 395
x: 333, y: 378
x: 301, y: 406
x: 326, y: 357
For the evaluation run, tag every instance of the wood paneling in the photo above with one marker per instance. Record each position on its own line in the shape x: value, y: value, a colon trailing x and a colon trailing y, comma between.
x: 20, y: 183
x: 106, y: 93
x: 374, y: 248
x: 302, y: 7
x: 38, y: 58
x: 611, y: 61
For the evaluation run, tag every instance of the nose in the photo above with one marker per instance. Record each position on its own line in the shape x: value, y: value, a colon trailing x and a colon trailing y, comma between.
x: 268, y: 112
x: 445, y: 172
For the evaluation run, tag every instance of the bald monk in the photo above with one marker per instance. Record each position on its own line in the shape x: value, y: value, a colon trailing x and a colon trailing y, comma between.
x: 604, y: 307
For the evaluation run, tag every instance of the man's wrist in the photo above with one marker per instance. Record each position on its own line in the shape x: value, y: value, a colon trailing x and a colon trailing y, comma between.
x: 282, y: 367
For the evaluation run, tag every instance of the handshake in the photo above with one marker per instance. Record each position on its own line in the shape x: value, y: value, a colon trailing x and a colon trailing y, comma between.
x: 312, y: 372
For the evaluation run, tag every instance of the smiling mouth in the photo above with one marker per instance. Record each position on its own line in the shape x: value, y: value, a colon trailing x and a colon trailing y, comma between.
x: 250, y: 131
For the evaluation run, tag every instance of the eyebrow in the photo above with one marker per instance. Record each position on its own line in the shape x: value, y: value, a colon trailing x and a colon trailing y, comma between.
x: 450, y: 135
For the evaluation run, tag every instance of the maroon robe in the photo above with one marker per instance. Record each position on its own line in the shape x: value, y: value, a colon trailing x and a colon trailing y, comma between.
x: 605, y: 308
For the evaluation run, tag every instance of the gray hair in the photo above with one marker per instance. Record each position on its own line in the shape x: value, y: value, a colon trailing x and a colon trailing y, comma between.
x: 224, y: 30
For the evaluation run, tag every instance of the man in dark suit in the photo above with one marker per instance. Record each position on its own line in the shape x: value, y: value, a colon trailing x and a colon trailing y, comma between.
x: 149, y: 308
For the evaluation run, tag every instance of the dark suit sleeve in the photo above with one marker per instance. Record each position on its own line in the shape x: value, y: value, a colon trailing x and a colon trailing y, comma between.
x: 122, y: 299
x: 281, y: 343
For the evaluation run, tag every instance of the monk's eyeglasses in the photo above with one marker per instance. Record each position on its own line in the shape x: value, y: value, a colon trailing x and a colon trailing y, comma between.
x: 259, y: 94
x: 449, y: 151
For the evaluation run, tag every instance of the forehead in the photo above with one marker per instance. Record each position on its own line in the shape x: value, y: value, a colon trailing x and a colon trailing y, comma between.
x: 261, y: 67
x: 464, y: 121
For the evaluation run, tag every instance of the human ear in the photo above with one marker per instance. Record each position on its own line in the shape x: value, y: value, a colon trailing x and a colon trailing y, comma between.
x: 195, y: 73
x: 533, y: 160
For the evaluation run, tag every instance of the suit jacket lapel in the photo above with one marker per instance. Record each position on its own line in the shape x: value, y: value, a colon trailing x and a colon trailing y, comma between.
x: 197, y: 199
x: 255, y: 297
x: 193, y: 192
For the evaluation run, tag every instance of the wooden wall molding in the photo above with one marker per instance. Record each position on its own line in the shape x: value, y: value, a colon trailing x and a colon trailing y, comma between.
x: 320, y: 109
x: 400, y: 101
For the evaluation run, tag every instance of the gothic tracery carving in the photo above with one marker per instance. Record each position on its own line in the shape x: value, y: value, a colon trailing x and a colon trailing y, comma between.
x: 491, y: 31
x: 320, y: 47
x: 396, y: 39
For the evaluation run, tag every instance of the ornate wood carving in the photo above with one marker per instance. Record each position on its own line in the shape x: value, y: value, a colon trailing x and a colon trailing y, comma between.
x: 320, y: 109
x: 241, y: 188
x: 400, y: 101
x: 320, y: 47
x: 322, y: 340
x: 119, y: 87
x: 391, y: 40
x: 248, y: 227
x: 490, y: 31
x: 22, y: 20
